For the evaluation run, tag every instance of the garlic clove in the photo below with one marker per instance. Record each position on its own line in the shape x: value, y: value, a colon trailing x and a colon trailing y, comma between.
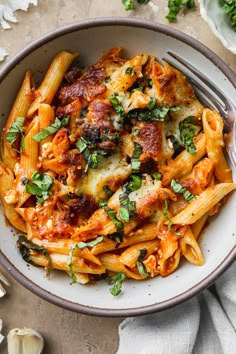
x: 24, y: 341
x: 2, y: 290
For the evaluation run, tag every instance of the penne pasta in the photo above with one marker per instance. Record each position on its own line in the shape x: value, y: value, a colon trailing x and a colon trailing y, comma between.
x: 203, y: 203
x: 112, y: 170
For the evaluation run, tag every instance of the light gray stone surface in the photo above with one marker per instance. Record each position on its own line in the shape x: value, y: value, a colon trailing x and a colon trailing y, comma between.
x: 66, y: 332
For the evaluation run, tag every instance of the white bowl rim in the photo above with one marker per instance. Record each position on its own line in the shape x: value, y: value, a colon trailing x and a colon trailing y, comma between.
x: 228, y: 260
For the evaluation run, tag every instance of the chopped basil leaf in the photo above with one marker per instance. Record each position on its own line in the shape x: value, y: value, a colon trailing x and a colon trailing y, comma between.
x: 108, y: 191
x: 15, y: 132
x: 165, y: 213
x: 188, y: 129
x: 130, y: 71
x: 40, y: 186
x: 51, y: 129
x: 178, y: 188
x: 140, y: 265
x: 152, y: 103
x: 128, y: 207
x: 157, y: 176
x: 176, y: 5
x: 116, y: 237
x: 116, y: 104
x: 114, y: 136
x: 136, y: 132
x: 135, y: 163
x: 25, y: 246
x: 133, y: 184
x: 156, y: 113
x: 102, y: 203
x: 118, y: 279
x: 80, y: 245
x: 112, y: 216
x: 107, y: 79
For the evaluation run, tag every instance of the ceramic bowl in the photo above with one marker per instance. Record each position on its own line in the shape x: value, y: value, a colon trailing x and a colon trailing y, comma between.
x: 218, y: 22
x: 91, y: 38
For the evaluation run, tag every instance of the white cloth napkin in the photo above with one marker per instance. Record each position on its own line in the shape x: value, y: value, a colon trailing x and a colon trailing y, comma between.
x: 205, y: 324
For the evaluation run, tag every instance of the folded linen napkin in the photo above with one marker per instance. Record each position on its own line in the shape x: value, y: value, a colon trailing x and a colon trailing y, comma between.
x: 205, y: 324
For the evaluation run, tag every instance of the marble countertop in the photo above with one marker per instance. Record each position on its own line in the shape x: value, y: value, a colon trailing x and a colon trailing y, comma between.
x: 66, y: 332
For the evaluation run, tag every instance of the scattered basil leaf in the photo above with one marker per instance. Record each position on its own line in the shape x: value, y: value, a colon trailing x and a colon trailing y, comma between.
x: 118, y: 279
x: 40, y: 186
x: 130, y: 71
x: 128, y: 207
x: 80, y: 245
x: 16, y: 131
x: 157, y: 176
x: 112, y: 216
x: 140, y: 265
x: 129, y: 4
x: 51, y: 129
x: 152, y: 103
x: 108, y: 190
x: 116, y: 237
x: 136, y: 132
x: 102, y: 203
x: 188, y: 129
x: 156, y: 113
x: 178, y: 188
x: 176, y: 5
x: 107, y: 79
x: 165, y: 213
x: 25, y: 246
x: 135, y: 163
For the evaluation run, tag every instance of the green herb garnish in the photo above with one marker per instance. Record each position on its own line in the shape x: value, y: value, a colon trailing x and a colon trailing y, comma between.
x: 178, y: 188
x: 130, y: 4
x: 130, y: 71
x: 157, y: 176
x: 229, y: 7
x: 40, y: 186
x: 15, y: 132
x: 128, y: 207
x: 188, y: 129
x: 176, y: 5
x: 51, y: 129
x: 25, y: 246
x: 118, y: 279
x: 135, y: 163
x: 112, y: 216
x: 80, y: 245
x: 140, y: 265
x: 108, y: 190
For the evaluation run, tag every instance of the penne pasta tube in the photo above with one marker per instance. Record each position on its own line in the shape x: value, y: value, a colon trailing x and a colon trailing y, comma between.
x: 198, y: 226
x: 46, y: 117
x: 213, y: 130
x: 190, y: 248
x: 19, y: 109
x: 9, y: 198
x: 28, y: 161
x: 203, y: 203
x: 59, y: 261
x: 169, y: 257
x: 184, y: 162
x: 52, y: 80
x: 130, y: 256
x: 112, y: 263
x: 63, y: 246
x: 146, y: 233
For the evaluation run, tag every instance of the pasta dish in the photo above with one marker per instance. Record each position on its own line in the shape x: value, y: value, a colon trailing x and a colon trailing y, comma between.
x: 111, y: 171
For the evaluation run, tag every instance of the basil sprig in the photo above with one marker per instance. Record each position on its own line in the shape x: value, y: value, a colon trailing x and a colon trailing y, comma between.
x: 80, y: 245
x: 40, y: 186
x: 229, y: 7
x: 130, y: 4
x: 25, y: 246
x: 15, y: 132
x: 118, y: 279
x: 188, y: 129
x: 140, y: 265
x: 176, y: 5
x: 51, y: 129
x: 178, y: 188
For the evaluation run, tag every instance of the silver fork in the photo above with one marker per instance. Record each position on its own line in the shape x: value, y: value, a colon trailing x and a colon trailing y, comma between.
x: 211, y: 96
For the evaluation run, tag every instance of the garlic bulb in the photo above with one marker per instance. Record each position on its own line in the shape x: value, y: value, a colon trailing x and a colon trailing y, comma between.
x: 24, y: 341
